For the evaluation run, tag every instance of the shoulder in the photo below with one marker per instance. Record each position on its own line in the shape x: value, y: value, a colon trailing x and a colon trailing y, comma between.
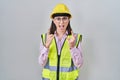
x: 78, y: 36
x: 43, y: 34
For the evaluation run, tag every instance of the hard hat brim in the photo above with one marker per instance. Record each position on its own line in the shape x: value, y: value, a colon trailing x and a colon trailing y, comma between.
x: 60, y: 14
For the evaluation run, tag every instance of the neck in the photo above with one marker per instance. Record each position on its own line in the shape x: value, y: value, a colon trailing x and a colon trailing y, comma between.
x: 60, y: 34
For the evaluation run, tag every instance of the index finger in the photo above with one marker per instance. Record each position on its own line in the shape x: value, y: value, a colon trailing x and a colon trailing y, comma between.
x: 48, y: 32
x: 72, y: 33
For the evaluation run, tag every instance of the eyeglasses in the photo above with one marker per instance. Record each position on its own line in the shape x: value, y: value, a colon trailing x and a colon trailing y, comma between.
x: 59, y: 19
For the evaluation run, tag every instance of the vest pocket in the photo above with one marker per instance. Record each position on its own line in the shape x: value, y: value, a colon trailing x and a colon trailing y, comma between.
x: 72, y: 75
x: 65, y: 62
x: 45, y: 73
x: 63, y: 75
x: 52, y: 75
x: 49, y: 74
x: 53, y: 62
x: 67, y: 76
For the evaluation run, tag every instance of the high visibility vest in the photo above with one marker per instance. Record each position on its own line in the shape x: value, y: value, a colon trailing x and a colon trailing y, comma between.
x: 60, y: 67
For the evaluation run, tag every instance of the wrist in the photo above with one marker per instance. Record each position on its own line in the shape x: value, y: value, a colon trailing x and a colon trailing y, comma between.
x: 72, y: 46
x: 47, y: 46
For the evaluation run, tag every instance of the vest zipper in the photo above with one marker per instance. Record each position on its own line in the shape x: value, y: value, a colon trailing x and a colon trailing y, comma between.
x: 58, y: 62
x: 58, y: 67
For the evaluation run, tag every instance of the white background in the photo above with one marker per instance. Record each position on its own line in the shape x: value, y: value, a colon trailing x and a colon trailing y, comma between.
x: 22, y: 22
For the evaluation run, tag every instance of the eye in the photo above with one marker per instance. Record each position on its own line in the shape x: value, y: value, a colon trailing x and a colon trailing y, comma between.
x: 58, y: 19
x: 65, y: 18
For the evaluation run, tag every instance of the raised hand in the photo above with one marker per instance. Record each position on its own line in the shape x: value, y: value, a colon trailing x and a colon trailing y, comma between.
x: 49, y: 39
x: 72, y: 40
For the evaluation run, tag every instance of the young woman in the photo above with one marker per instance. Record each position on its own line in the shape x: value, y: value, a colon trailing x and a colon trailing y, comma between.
x: 60, y: 48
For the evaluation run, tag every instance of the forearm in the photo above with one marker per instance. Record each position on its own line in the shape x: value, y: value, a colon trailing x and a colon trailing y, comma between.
x: 77, y: 56
x: 43, y: 55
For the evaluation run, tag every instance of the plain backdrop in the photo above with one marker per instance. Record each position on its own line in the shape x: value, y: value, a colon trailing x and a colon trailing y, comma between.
x: 23, y: 21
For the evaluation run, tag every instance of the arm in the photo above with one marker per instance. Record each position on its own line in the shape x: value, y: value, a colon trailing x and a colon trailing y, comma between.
x: 77, y: 56
x: 44, y: 49
x: 43, y: 54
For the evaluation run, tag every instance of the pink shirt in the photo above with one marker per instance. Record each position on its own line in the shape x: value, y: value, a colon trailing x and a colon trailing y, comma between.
x: 76, y: 53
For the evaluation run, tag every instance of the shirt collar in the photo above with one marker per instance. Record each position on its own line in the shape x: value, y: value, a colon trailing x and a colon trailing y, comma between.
x: 64, y: 36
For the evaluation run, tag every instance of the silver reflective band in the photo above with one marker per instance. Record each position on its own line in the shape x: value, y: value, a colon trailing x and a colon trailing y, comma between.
x: 49, y: 79
x: 45, y: 78
x: 62, y: 69
x: 66, y: 69
x: 52, y: 68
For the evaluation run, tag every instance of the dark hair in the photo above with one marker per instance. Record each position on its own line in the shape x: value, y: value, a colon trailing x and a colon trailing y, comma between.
x: 61, y: 14
x: 53, y: 28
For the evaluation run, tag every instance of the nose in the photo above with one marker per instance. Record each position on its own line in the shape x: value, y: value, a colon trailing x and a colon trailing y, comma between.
x: 61, y: 21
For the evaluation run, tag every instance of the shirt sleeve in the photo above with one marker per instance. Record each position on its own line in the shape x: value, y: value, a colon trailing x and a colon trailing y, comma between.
x: 77, y: 56
x: 43, y: 54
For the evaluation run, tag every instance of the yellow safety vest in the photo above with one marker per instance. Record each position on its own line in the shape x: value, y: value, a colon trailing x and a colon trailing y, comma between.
x: 60, y: 67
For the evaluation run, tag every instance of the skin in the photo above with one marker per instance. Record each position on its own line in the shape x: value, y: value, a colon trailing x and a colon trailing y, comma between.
x: 60, y: 29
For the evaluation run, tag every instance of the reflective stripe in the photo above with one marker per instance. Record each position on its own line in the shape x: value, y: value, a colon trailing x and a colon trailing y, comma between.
x: 49, y: 79
x: 45, y: 78
x: 62, y: 69
x: 76, y: 79
x: 52, y: 68
x: 65, y: 69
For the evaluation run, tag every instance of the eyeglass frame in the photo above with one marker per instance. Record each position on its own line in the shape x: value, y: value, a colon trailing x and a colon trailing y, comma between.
x: 62, y: 18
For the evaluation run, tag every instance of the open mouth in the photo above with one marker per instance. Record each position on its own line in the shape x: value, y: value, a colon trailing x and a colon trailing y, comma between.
x: 61, y: 26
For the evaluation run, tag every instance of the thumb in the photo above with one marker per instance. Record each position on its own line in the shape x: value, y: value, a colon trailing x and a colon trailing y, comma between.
x: 75, y: 36
x: 68, y: 38
x: 48, y: 32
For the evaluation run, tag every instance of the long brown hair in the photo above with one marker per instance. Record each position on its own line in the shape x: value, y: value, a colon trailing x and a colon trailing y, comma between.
x: 53, y: 28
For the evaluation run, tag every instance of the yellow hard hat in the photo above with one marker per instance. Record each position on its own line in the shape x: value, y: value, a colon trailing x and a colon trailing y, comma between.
x: 60, y: 8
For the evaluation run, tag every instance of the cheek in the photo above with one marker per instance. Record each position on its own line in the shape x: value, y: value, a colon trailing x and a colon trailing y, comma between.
x: 56, y: 24
x: 66, y: 25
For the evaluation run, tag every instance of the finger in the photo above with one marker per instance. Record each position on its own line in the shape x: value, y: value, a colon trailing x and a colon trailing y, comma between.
x: 68, y: 38
x: 72, y: 33
x: 48, y: 32
x: 75, y: 35
x: 51, y: 36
